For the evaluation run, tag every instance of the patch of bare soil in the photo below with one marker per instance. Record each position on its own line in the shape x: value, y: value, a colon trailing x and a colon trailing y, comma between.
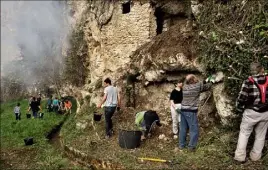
x: 18, y: 158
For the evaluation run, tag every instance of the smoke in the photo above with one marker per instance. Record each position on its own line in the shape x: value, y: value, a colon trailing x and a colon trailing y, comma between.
x: 34, y: 35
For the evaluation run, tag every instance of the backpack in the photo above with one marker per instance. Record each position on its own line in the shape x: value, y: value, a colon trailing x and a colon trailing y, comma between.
x: 263, y: 106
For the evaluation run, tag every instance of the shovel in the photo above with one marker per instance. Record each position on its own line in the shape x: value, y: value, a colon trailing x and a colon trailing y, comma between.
x: 158, y: 160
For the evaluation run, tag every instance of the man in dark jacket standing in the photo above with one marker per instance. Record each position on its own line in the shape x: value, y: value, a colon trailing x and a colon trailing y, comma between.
x: 252, y: 97
x: 35, y: 107
x: 189, y: 108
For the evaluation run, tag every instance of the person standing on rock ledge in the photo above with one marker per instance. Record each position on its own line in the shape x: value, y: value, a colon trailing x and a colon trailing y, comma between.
x: 189, y: 108
x: 253, y: 102
x: 111, y: 100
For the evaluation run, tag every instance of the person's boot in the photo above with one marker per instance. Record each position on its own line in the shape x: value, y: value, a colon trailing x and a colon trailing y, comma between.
x: 191, y: 149
x: 254, y: 157
x: 238, y: 162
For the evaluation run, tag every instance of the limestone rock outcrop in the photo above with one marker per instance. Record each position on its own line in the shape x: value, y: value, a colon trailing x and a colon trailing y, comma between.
x: 144, y: 47
x: 223, y: 103
x: 195, y: 7
x: 171, y: 52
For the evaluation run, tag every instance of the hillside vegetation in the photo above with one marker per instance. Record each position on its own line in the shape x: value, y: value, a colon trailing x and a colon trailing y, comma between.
x: 231, y: 36
x: 40, y: 155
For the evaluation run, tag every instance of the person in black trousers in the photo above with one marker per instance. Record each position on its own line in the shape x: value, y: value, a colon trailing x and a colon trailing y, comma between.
x: 145, y: 119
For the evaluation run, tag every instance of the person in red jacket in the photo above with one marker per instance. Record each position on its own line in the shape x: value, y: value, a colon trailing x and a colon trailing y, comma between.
x: 68, y: 106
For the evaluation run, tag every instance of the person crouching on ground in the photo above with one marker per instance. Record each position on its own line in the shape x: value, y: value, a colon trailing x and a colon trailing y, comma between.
x: 253, y: 102
x: 111, y: 100
x: 144, y: 121
x: 17, y: 111
x: 189, y: 108
x: 175, y: 106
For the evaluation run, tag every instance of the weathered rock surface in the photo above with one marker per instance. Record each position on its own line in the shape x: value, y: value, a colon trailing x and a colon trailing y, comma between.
x: 174, y: 8
x: 223, y: 103
x: 195, y: 6
x: 81, y: 125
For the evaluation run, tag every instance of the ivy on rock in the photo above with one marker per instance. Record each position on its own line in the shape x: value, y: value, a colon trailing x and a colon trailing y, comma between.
x: 231, y: 36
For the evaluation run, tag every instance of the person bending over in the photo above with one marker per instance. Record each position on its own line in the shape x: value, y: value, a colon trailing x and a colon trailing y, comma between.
x: 144, y: 121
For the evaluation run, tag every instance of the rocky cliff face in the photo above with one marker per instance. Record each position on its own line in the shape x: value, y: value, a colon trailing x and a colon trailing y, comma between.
x: 144, y: 47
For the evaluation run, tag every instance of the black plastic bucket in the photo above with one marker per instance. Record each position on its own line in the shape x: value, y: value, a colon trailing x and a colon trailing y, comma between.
x: 97, y: 117
x: 28, y: 115
x: 28, y: 141
x: 129, y: 139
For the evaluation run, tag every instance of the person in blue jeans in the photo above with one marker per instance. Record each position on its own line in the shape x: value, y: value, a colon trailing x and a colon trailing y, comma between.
x: 189, y: 109
x: 111, y: 100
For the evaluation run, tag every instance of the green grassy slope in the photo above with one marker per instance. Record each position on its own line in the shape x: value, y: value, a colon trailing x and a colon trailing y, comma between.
x: 15, y: 155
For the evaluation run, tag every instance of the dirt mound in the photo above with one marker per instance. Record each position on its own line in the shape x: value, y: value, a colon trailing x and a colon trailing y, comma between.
x: 178, y: 39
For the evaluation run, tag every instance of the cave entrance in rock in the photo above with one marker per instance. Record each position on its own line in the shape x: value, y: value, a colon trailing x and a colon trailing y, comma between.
x: 126, y: 8
x: 159, y: 14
